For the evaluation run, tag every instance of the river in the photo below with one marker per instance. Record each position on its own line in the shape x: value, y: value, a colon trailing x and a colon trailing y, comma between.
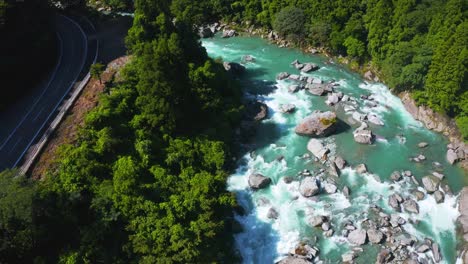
x: 265, y: 240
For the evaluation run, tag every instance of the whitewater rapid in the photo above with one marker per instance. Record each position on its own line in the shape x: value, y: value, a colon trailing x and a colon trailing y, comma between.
x: 265, y: 240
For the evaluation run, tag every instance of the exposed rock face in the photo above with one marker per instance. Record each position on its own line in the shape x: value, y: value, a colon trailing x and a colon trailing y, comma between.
x: 309, y: 187
x: 258, y: 181
x: 233, y: 67
x: 463, y: 208
x: 357, y: 237
x: 411, y: 206
x: 316, y: 147
x: 439, y: 123
x: 318, y: 124
x: 375, y: 236
x: 452, y: 156
x: 205, y: 32
x: 229, y: 33
x: 430, y: 183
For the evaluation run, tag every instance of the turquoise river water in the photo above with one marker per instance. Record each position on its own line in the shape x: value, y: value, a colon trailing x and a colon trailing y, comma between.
x: 264, y: 240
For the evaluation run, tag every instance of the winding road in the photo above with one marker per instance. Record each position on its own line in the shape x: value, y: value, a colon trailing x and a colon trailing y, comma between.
x: 22, y: 124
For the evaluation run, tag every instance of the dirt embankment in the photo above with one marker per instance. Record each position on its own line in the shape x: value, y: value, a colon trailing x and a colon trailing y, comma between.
x: 67, y: 131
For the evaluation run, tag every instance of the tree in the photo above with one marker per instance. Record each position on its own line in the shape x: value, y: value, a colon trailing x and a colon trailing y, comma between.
x: 96, y: 71
x: 290, y: 20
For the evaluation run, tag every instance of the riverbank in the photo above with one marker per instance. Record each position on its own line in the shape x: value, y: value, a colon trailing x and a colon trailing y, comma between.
x: 457, y: 150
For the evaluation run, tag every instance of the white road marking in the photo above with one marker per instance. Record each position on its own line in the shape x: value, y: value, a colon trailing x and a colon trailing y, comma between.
x: 83, y: 60
x: 38, y: 99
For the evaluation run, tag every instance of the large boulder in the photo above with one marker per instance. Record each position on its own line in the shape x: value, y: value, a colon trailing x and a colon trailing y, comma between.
x: 439, y: 196
x: 357, y: 237
x: 340, y: 162
x: 375, y: 236
x: 309, y: 187
x: 318, y: 124
x: 316, y: 89
x: 452, y: 156
x: 330, y: 188
x: 394, y: 201
x: 287, y: 108
x: 430, y: 183
x: 307, y: 67
x: 363, y: 136
x: 316, y: 147
x: 229, y: 33
x: 258, y: 181
x: 411, y: 206
x: 233, y: 67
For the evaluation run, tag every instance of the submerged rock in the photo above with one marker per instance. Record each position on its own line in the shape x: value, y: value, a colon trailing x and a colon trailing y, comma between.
x: 309, y: 187
x: 272, y: 213
x: 395, y: 176
x: 357, y: 237
x: 258, y: 181
x: 430, y: 183
x: 233, y: 67
x: 316, y: 147
x: 423, y: 144
x: 248, y: 58
x: 361, y: 168
x: 318, y: 124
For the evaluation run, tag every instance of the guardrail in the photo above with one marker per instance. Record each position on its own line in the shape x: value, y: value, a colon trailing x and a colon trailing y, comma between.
x: 34, y: 151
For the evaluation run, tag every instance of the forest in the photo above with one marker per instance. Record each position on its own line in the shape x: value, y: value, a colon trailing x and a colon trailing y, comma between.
x: 146, y: 180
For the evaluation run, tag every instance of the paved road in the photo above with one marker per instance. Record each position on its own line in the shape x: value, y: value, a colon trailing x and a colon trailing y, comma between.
x: 23, y: 123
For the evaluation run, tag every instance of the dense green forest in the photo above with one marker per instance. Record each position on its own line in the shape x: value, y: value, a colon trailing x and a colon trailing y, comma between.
x: 27, y: 48
x: 146, y: 180
x: 417, y: 45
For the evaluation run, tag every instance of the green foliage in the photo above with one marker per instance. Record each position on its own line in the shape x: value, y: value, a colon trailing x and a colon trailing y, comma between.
x: 16, y: 218
x: 96, y: 70
x: 289, y: 21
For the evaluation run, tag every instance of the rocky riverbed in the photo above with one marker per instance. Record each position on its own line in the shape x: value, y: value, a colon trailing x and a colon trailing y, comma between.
x: 337, y: 170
